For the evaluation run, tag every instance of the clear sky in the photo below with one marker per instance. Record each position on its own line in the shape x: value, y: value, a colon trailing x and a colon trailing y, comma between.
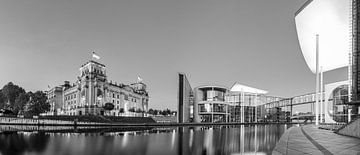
x: 254, y: 42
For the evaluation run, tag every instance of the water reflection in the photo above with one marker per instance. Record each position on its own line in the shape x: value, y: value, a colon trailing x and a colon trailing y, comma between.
x: 14, y: 144
x: 229, y: 139
x: 211, y: 140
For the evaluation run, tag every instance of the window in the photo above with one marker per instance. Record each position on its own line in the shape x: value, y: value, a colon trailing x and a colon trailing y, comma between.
x: 118, y: 96
x: 113, y: 95
x: 113, y: 101
x: 126, y: 97
x: 118, y: 102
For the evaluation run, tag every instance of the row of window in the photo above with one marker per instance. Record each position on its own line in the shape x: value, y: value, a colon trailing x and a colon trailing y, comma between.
x: 69, y: 97
x: 71, y: 102
x: 51, y: 96
x: 126, y: 97
x: 212, y: 108
x: 118, y: 102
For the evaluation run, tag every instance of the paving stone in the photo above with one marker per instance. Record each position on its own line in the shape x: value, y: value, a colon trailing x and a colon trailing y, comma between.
x: 318, y: 141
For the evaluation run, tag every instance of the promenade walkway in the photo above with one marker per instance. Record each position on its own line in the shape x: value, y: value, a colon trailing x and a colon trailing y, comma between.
x: 308, y: 139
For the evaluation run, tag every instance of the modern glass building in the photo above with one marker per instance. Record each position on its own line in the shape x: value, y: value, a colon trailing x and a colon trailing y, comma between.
x: 210, y: 104
x: 214, y: 103
x: 247, y: 104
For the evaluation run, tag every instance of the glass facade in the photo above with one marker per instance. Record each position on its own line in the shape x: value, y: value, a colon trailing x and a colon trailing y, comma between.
x: 337, y: 108
x: 210, y: 104
x: 213, y: 95
x: 253, y: 104
x: 209, y: 107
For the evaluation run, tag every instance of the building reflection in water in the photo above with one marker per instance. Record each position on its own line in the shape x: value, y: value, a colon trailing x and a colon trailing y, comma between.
x: 212, y: 140
x: 259, y: 139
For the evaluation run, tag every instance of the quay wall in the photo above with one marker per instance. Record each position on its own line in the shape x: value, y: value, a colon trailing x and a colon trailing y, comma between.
x: 351, y: 129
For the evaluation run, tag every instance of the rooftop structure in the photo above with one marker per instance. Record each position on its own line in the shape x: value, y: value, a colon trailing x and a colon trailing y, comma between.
x: 330, y: 20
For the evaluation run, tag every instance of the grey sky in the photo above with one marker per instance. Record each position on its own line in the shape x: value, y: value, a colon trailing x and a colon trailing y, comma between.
x: 254, y: 42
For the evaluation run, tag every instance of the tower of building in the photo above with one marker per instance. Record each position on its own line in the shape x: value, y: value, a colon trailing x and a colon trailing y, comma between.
x: 91, y: 84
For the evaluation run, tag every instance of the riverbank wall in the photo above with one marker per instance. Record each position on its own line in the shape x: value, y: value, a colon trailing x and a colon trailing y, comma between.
x: 50, y: 122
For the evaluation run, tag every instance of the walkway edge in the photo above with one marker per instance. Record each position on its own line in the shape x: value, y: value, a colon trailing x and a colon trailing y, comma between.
x: 316, y: 144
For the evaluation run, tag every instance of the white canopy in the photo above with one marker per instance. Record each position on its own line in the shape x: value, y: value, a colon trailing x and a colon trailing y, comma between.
x: 331, y: 20
x: 237, y: 87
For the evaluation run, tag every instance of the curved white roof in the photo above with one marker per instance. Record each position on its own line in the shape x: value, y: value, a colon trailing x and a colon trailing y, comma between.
x: 212, y: 86
x: 331, y: 20
x: 237, y: 87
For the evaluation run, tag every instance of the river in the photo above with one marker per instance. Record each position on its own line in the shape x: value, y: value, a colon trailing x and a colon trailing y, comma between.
x: 207, y: 140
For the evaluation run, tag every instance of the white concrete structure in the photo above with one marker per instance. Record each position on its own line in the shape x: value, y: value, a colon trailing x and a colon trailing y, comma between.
x: 331, y: 20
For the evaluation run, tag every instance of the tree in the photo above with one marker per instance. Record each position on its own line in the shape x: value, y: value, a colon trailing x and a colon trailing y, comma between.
x: 138, y: 110
x: 156, y: 112
x: 20, y: 102
x: 132, y: 109
x: 109, y: 106
x: 2, y: 100
x: 121, y: 110
x: 11, y: 92
x: 38, y: 103
x: 164, y: 112
x: 151, y: 111
x: 167, y: 112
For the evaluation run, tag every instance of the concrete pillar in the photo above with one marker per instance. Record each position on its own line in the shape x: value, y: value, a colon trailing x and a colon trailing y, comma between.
x: 321, y: 95
x: 317, y: 83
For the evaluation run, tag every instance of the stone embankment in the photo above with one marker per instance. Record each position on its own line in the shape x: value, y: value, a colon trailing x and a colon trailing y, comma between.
x: 351, y: 129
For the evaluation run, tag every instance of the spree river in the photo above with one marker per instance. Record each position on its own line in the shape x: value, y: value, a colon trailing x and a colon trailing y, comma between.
x: 209, y: 140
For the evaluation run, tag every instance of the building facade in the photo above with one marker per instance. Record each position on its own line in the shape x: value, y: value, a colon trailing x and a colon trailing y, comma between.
x: 214, y: 103
x: 185, y: 100
x: 210, y: 104
x: 55, y: 98
x: 245, y: 106
x: 336, y: 24
x: 92, y: 90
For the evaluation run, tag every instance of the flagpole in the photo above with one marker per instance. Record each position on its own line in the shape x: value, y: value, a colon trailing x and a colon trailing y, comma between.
x: 95, y: 55
x: 92, y: 56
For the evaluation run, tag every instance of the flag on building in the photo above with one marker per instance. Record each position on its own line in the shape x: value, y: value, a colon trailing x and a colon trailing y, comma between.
x: 139, y: 79
x: 96, y: 56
